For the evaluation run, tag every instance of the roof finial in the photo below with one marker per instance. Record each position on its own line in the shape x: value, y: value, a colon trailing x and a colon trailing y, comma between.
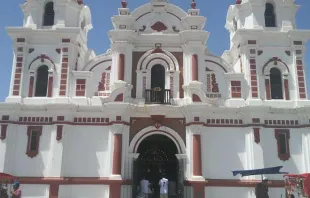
x: 193, y: 5
x: 124, y: 3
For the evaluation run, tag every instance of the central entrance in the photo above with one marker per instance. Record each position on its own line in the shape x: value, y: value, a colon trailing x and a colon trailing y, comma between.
x: 157, y: 159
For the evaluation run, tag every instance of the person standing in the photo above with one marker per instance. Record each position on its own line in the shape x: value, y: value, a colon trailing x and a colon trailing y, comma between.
x: 144, y: 186
x: 163, y: 183
x: 16, y: 192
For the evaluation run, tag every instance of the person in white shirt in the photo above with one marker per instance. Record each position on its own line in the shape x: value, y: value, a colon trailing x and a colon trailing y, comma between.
x: 163, y: 183
x: 144, y: 186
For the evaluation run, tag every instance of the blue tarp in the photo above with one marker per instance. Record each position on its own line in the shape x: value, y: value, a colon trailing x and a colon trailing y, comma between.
x: 263, y: 171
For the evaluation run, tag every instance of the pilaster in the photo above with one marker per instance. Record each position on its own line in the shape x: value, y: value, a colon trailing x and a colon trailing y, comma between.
x: 57, y: 148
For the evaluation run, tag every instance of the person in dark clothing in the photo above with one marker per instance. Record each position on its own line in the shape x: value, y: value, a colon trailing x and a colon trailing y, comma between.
x: 261, y: 189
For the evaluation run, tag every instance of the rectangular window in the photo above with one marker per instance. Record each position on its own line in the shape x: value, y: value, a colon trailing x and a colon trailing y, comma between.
x: 282, y: 143
x: 282, y: 137
x: 236, y: 89
x: 34, y: 140
x: 34, y: 133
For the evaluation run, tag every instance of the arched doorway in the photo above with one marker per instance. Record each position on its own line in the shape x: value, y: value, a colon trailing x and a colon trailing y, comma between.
x: 157, y: 159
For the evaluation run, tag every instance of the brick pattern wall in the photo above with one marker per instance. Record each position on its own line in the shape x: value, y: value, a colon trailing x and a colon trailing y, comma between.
x: 301, y: 78
x: 254, y: 84
x: 104, y: 84
x: 64, y: 72
x: 18, y: 74
x: 80, y: 87
x: 236, y: 91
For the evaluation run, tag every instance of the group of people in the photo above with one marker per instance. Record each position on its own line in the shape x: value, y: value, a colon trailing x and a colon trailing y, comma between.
x: 15, y: 193
x: 147, y: 190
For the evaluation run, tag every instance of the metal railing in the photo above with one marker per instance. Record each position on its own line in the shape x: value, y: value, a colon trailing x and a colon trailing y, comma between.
x: 157, y: 96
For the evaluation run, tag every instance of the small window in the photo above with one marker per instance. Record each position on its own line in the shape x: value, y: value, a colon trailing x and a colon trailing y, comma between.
x: 283, y: 136
x: 276, y: 84
x: 270, y: 16
x: 33, y: 140
x: 49, y: 14
x: 34, y: 133
x: 41, y: 81
x: 282, y: 143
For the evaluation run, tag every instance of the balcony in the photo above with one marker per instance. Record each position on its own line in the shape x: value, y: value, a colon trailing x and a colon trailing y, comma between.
x: 157, y: 96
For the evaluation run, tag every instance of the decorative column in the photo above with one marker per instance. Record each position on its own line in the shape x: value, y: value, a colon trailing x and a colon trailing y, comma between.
x: 194, y: 67
x: 267, y: 87
x: 197, y: 170
x: 121, y: 67
x: 286, y: 88
x: 117, y: 131
x: 117, y: 154
x: 50, y: 84
x: 31, y: 85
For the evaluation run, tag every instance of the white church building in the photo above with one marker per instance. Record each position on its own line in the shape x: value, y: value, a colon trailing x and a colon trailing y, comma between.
x: 157, y: 103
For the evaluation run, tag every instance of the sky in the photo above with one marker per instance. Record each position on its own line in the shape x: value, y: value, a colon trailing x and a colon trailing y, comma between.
x: 103, y: 10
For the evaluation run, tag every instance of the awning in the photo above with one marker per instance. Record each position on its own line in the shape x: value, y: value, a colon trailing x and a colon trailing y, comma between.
x: 263, y: 171
x: 4, y: 176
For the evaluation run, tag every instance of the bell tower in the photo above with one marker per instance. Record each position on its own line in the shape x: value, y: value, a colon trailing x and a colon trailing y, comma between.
x: 51, y: 43
x: 267, y: 47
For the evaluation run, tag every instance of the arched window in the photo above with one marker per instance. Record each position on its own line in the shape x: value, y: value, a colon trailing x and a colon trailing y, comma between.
x: 276, y: 84
x: 49, y: 14
x: 270, y: 16
x: 41, y: 81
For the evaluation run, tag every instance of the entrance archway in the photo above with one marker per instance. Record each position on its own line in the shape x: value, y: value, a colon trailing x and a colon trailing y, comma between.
x: 157, y: 159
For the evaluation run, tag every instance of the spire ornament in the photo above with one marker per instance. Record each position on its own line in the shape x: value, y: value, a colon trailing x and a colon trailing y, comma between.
x: 193, y: 5
x: 124, y: 4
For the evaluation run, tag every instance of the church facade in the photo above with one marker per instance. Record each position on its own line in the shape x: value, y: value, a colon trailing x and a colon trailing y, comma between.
x: 157, y: 103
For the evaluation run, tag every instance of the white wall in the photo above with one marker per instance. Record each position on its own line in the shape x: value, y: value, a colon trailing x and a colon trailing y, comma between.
x: 222, y: 192
x: 20, y: 163
x: 223, y: 150
x: 86, y: 152
x: 35, y: 191
x: 83, y: 191
x: 228, y: 149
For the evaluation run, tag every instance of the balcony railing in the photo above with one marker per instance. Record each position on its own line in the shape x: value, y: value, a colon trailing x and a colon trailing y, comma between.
x: 157, y: 96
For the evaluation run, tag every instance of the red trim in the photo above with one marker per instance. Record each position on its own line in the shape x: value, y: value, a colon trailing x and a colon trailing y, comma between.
x: 196, y: 98
x: 197, y: 163
x: 267, y: 88
x: 3, y: 131
x: 115, y: 190
x: 195, y: 67
x: 235, y: 183
x: 117, y: 155
x: 43, y: 57
x: 121, y: 67
x: 198, y: 189
x: 30, y: 91
x: 236, y: 89
x: 108, y: 181
x: 119, y: 98
x: 54, y: 190
x: 30, y: 153
x: 50, y: 86
x: 287, y: 155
